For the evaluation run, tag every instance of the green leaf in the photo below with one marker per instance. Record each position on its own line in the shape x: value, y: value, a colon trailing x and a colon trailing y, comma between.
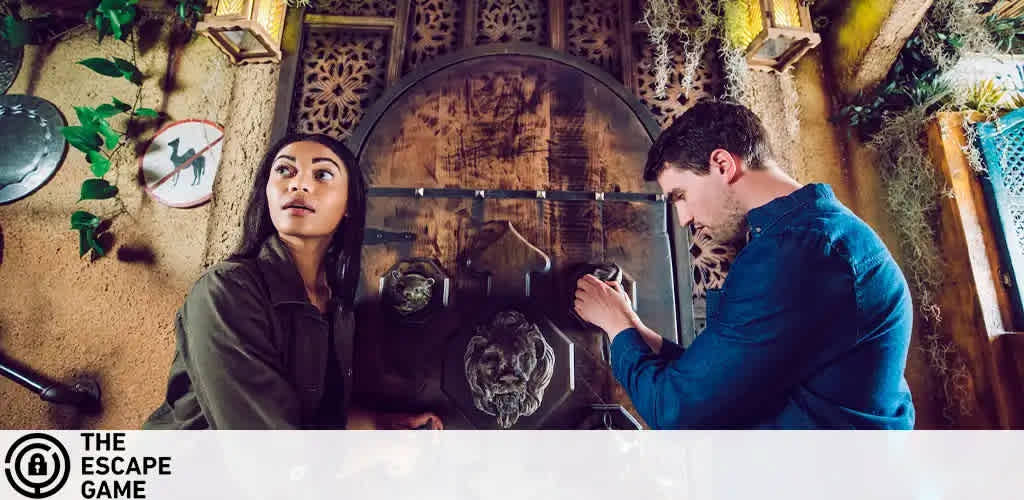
x: 84, y: 220
x: 109, y: 110
x: 87, y: 241
x: 147, y: 113
x: 102, y: 27
x: 83, y: 139
x: 101, y: 66
x: 83, y: 242
x: 97, y: 189
x: 86, y: 115
x: 129, y: 71
x: 98, y: 163
x: 16, y: 32
x: 109, y: 135
x: 90, y: 237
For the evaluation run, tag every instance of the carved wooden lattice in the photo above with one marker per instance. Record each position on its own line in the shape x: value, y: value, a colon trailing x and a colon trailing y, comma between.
x: 706, y: 83
x: 594, y: 34
x: 501, y: 21
x: 380, y: 8
x: 711, y: 261
x: 342, y: 74
x: 435, y: 25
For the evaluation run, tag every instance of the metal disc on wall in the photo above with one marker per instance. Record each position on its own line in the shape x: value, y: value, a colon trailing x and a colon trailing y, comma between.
x: 31, y: 143
x: 10, y: 64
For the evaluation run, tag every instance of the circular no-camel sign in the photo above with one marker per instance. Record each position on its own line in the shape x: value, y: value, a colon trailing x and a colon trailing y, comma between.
x: 180, y: 162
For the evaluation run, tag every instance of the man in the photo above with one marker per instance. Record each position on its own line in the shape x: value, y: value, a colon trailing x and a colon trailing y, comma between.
x: 812, y: 325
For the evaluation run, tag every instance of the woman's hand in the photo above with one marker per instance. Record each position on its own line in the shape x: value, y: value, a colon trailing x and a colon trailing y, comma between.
x: 405, y: 421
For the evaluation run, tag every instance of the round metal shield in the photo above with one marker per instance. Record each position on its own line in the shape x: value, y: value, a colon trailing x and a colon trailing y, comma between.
x: 181, y: 161
x: 10, y: 64
x: 31, y: 143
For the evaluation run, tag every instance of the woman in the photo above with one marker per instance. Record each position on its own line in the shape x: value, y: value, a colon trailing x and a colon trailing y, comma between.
x: 264, y: 340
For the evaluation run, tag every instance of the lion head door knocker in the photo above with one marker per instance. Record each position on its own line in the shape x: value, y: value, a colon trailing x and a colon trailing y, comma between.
x: 508, y: 366
x: 413, y: 289
x: 410, y: 292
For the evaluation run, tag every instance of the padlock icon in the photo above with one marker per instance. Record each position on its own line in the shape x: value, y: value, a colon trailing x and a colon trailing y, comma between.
x: 37, y: 465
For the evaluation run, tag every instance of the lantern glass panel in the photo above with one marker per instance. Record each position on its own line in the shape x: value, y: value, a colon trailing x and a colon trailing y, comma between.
x: 743, y: 22
x: 773, y: 48
x: 244, y: 41
x: 787, y: 13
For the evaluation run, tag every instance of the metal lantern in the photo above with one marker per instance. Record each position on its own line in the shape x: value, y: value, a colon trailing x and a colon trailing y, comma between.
x: 248, y: 31
x: 773, y: 34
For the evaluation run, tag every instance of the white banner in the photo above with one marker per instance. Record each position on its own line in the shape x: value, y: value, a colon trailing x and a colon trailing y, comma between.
x: 522, y: 465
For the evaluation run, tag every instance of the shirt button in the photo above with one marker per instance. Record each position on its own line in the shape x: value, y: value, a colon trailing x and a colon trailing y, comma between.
x: 757, y: 230
x: 311, y: 388
x: 348, y: 372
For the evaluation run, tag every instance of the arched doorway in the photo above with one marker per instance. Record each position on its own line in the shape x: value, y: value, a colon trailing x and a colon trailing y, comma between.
x: 525, y: 134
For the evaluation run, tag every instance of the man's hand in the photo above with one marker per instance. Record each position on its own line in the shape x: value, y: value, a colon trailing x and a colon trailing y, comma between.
x: 604, y: 305
x: 405, y: 421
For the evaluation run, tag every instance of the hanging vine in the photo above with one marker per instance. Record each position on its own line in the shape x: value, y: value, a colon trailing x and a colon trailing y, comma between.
x: 892, y: 120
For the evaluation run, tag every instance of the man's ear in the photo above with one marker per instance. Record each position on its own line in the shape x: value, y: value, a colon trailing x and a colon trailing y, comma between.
x: 726, y: 164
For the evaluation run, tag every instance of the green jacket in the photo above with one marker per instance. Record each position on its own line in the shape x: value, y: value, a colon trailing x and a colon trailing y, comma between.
x: 251, y: 350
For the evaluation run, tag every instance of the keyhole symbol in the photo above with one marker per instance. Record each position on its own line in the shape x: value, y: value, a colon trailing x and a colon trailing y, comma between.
x: 37, y: 466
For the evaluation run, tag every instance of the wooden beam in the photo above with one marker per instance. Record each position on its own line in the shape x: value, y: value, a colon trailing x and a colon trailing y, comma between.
x: 469, y: 23
x: 972, y: 303
x: 864, y: 40
x: 556, y: 24
x: 397, y: 43
x: 365, y: 22
x: 626, y: 43
x: 291, y: 47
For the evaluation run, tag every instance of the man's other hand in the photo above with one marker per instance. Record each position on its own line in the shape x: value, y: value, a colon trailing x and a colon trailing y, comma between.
x: 605, y: 305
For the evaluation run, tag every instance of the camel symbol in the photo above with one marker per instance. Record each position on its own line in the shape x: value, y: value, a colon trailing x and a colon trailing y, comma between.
x: 198, y: 166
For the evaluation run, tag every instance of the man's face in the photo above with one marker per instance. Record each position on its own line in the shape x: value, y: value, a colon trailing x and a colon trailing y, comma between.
x: 705, y: 201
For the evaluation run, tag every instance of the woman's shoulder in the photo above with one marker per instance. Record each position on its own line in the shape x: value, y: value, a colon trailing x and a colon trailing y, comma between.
x: 229, y: 278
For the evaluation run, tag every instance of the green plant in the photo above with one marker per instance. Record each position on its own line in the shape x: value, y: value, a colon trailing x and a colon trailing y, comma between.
x: 189, y: 11
x: 15, y: 31
x: 112, y: 17
x: 1007, y: 32
x: 94, y: 136
x: 1017, y: 101
x: 984, y: 96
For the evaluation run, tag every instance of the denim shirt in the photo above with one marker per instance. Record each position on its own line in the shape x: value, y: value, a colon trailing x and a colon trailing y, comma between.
x: 810, y: 330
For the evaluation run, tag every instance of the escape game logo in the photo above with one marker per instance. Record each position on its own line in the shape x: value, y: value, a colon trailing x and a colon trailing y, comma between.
x: 38, y: 465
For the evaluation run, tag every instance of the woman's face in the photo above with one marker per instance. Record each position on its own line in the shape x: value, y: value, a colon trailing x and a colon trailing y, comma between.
x: 307, y: 191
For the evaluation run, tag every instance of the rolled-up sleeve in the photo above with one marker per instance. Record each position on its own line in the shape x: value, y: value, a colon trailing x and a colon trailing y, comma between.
x: 231, y: 360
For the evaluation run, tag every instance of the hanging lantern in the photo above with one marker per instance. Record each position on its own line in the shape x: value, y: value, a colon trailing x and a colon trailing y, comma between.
x: 773, y: 34
x: 248, y: 31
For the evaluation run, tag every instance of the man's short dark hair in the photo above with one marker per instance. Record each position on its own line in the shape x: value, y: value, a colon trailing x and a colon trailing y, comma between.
x: 705, y: 127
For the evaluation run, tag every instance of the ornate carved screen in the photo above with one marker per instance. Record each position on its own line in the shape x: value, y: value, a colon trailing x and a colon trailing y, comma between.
x: 525, y: 134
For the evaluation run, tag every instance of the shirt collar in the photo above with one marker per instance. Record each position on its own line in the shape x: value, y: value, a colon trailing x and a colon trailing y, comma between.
x: 282, y: 277
x: 765, y: 216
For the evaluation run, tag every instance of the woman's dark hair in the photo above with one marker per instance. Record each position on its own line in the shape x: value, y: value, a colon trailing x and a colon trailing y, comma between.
x: 343, y: 255
x: 705, y: 127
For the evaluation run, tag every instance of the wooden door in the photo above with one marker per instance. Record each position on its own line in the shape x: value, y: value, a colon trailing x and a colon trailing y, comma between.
x: 525, y: 134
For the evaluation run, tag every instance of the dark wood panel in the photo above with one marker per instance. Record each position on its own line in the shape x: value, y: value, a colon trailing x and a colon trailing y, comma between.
x: 514, y: 122
x: 509, y: 123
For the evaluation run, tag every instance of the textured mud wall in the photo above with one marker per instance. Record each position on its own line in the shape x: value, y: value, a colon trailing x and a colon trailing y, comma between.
x: 66, y: 317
